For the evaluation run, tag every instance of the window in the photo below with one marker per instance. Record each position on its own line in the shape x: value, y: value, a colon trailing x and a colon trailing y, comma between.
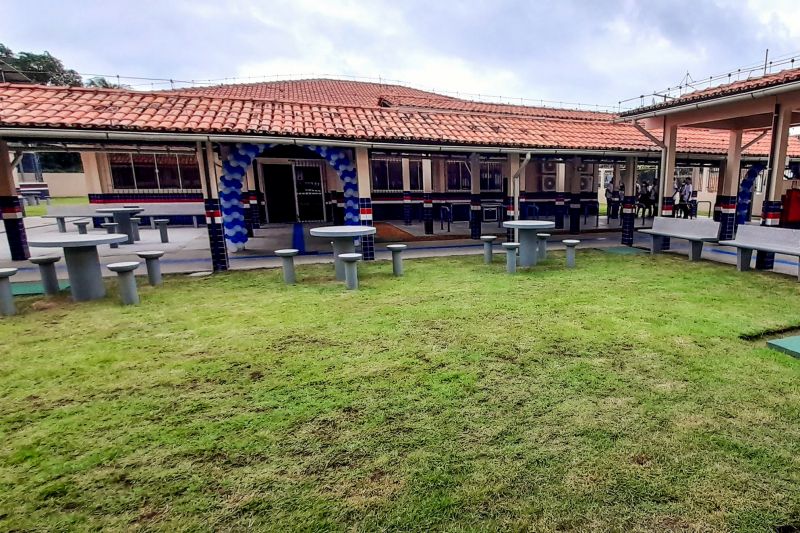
x: 415, y: 169
x: 458, y: 177
x: 492, y: 176
x: 60, y: 162
x: 168, y: 175
x: 154, y: 171
x: 387, y: 174
x: 121, y: 171
x: 190, y: 172
x: 713, y: 179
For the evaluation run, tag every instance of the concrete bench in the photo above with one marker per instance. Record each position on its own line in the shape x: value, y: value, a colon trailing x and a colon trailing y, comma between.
x: 162, y: 227
x: 287, y: 258
x: 127, y: 281
x: 571, y: 244
x: 350, y: 269
x: 542, y: 245
x: 153, y: 264
x: 7, y: 306
x: 135, y: 227
x: 61, y: 221
x: 696, y: 231
x: 397, y: 258
x: 176, y: 212
x: 511, y: 256
x: 488, y: 241
x: 82, y: 226
x: 47, y: 271
x: 111, y: 227
x: 763, y: 239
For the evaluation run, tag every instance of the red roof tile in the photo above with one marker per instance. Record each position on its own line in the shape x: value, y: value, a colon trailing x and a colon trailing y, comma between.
x: 471, y: 124
x: 737, y: 87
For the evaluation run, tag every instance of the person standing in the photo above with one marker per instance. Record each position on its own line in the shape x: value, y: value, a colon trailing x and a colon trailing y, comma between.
x: 686, y: 197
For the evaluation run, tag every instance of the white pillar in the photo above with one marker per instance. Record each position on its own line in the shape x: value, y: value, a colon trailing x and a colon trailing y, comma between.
x: 670, y: 139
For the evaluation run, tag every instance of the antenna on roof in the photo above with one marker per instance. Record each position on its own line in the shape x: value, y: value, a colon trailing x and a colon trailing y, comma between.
x: 766, y: 58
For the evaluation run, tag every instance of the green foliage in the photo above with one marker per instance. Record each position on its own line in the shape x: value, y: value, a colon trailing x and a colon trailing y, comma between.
x: 41, y: 68
x: 617, y: 396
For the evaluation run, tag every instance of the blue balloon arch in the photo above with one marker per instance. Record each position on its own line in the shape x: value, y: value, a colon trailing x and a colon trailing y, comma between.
x: 234, y: 172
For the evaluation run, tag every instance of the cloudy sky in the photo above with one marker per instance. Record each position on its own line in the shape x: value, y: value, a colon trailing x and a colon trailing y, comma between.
x: 589, y: 51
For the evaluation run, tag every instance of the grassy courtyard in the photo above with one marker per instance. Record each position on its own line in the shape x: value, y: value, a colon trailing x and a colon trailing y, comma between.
x: 41, y: 209
x: 617, y: 396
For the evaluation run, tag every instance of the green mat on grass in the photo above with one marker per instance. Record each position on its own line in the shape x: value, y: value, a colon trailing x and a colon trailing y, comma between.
x: 624, y: 250
x: 31, y: 288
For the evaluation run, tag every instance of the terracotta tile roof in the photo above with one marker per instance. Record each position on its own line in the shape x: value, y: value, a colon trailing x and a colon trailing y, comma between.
x: 111, y: 109
x: 737, y: 87
x: 455, y: 104
x: 311, y: 91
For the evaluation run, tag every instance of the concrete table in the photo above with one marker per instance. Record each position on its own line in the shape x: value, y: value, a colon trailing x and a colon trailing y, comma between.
x: 342, y: 237
x: 83, y: 263
x: 528, y: 247
x: 122, y: 216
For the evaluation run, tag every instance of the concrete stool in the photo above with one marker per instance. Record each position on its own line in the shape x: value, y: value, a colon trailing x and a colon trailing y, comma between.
x: 151, y: 261
x: 111, y: 227
x: 47, y: 270
x: 571, y: 244
x: 61, y: 223
x: 81, y: 225
x: 135, y: 228
x: 511, y: 256
x: 488, y: 240
x: 7, y: 306
x: 397, y: 258
x: 287, y: 257
x: 350, y: 270
x: 542, y: 245
x: 127, y: 281
x: 162, y: 228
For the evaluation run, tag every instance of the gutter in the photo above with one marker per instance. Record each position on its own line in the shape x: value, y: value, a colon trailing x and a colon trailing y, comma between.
x: 752, y: 95
x: 94, y: 135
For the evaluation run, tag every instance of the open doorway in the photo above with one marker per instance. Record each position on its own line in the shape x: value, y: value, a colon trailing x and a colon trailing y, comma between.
x: 294, y: 191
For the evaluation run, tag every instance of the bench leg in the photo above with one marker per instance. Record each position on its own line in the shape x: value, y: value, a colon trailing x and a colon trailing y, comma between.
x: 743, y: 257
x: 658, y: 244
x: 696, y: 251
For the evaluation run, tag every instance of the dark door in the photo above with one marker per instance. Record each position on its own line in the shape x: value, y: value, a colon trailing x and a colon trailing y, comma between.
x: 279, y: 189
x: 310, y: 198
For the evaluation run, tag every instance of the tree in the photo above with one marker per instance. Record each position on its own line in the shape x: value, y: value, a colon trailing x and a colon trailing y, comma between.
x: 103, y: 83
x: 41, y: 68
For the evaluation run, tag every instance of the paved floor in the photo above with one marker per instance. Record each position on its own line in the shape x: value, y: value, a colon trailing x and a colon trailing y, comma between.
x: 188, y: 251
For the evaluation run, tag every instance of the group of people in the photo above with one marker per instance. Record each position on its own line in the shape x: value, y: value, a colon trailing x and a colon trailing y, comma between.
x: 647, y: 198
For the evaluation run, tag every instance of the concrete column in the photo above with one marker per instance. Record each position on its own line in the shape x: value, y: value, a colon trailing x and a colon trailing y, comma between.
x: 560, y: 201
x: 727, y: 192
x: 771, y: 210
x: 427, y: 196
x: 11, y: 208
x: 666, y: 175
x: 629, y: 201
x: 365, y: 201
x: 476, y: 217
x: 573, y: 180
x: 515, y: 194
x: 667, y: 170
x: 91, y: 173
x: 407, y: 207
x: 209, y: 179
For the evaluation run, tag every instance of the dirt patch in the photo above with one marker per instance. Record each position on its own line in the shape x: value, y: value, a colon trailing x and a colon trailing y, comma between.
x: 766, y: 334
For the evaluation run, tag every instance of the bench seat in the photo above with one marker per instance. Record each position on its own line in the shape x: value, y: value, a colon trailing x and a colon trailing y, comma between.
x: 697, y: 232
x: 763, y: 239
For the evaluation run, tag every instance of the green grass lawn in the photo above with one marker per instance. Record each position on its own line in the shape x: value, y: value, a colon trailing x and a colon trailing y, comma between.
x: 616, y: 396
x: 41, y: 209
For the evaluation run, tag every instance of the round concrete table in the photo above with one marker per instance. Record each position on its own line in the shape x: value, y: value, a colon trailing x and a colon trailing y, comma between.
x: 122, y: 216
x: 342, y: 237
x: 83, y: 263
x: 528, y: 247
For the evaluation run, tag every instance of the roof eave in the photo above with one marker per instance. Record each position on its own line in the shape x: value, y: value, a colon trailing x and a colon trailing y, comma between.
x: 709, y: 102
